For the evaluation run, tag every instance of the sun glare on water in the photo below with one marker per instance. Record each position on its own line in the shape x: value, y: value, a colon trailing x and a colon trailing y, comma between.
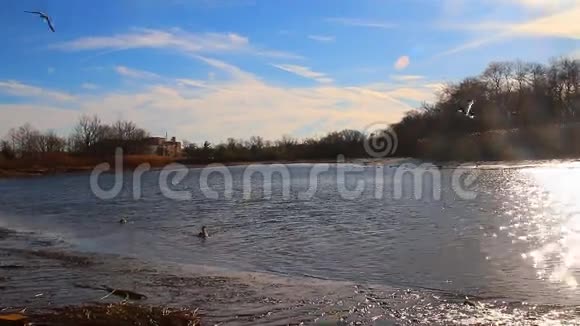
x: 554, y: 222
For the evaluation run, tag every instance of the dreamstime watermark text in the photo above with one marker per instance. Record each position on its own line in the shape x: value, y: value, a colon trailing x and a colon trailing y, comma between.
x: 350, y: 181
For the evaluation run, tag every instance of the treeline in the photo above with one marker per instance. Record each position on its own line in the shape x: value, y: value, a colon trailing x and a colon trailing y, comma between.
x: 90, y: 136
x: 346, y: 142
x: 507, y: 95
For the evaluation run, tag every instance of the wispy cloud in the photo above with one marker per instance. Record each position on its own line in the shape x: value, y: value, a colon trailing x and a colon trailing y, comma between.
x: 406, y: 78
x: 543, y: 5
x: 305, y: 72
x: 192, y: 83
x: 402, y: 62
x: 89, y: 86
x: 361, y: 22
x: 135, y: 73
x: 322, y: 38
x: 16, y: 88
x: 234, y: 71
x: 418, y: 92
x: 559, y: 25
x: 215, y: 4
x: 175, y: 39
x: 475, y: 26
x: 50, y: 70
x: 455, y: 8
x: 178, y: 106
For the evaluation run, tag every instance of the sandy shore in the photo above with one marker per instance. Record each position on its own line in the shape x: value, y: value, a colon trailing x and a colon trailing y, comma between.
x: 47, y: 279
x: 58, y: 286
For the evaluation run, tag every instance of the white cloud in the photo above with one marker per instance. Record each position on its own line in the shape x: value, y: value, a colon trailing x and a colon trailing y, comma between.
x: 402, y: 62
x: 489, y: 26
x: 406, y: 78
x: 305, y: 72
x: 562, y: 25
x: 234, y: 71
x: 361, y: 22
x: 322, y: 38
x: 558, y: 25
x: 192, y: 83
x: 52, y: 117
x: 420, y: 92
x: 239, y: 107
x: 214, y: 4
x: 16, y: 88
x: 135, y: 73
x: 150, y: 38
x: 176, y: 39
x: 543, y: 5
x: 89, y: 86
x: 454, y: 8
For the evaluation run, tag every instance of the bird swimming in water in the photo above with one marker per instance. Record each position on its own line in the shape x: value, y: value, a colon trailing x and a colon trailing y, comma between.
x: 467, y: 111
x: 203, y: 234
x: 44, y: 17
x: 123, y: 221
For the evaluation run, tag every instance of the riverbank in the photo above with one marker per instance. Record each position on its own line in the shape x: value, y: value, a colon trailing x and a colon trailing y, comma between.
x: 534, y: 143
x: 46, y: 282
x: 62, y: 163
x: 29, y: 168
x: 53, y: 286
x: 119, y: 314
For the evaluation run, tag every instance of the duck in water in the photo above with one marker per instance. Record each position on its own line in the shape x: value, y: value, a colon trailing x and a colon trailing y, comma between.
x: 203, y: 234
x: 123, y: 221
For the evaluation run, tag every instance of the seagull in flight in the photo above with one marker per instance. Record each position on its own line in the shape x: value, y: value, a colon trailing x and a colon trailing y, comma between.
x: 44, y: 16
x: 467, y: 111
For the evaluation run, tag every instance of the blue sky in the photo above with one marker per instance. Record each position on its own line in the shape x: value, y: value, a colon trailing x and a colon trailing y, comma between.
x: 211, y: 69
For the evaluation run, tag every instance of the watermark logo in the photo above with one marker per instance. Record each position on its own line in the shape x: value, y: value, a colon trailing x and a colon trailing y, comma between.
x: 381, y: 141
x: 259, y: 181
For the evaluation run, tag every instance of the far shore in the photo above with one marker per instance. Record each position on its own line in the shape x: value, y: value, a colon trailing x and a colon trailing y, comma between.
x: 40, y: 170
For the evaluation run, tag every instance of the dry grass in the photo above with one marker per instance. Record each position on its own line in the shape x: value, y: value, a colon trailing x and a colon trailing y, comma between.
x: 47, y: 161
x: 117, y: 314
x: 132, y: 161
x: 64, y: 162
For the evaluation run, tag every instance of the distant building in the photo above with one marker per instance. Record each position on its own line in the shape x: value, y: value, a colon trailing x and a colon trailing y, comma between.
x: 161, y: 146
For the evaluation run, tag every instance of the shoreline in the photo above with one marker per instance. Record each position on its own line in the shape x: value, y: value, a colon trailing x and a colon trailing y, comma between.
x: 210, y: 296
x: 11, y: 173
x: 23, y: 173
x: 215, y: 295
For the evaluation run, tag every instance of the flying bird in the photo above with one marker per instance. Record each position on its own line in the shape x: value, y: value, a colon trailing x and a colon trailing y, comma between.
x: 44, y: 16
x: 467, y: 111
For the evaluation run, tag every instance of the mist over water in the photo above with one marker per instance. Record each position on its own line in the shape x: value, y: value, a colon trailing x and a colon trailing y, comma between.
x: 517, y: 241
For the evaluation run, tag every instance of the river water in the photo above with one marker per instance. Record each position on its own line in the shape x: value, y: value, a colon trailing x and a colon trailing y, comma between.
x: 419, y: 238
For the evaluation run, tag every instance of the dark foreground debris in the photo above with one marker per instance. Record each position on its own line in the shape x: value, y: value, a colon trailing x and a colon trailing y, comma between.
x: 105, y: 315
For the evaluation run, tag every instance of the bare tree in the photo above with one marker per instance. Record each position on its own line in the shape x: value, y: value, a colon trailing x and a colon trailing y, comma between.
x: 522, y: 75
x: 126, y: 130
x: 537, y: 77
x: 88, y: 132
x: 287, y: 141
x: 6, y: 150
x: 50, y: 142
x: 256, y: 143
x: 23, y: 139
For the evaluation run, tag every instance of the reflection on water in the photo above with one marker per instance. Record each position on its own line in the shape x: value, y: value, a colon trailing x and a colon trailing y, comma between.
x: 555, y: 227
x: 518, y: 241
